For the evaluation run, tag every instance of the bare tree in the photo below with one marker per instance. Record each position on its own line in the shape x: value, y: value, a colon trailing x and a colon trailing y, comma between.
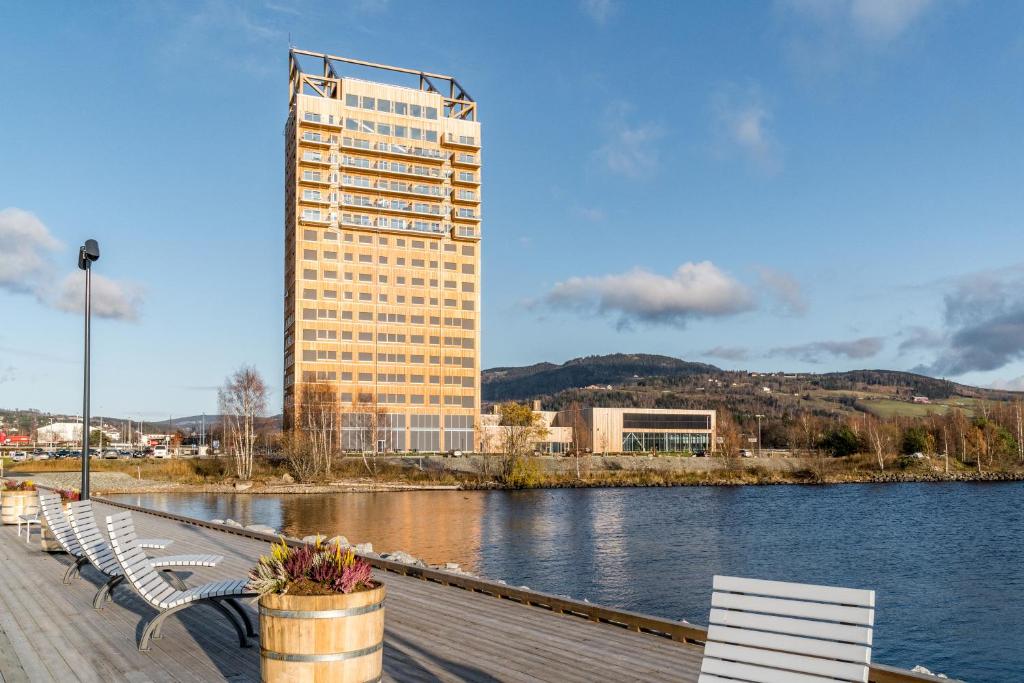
x: 1020, y: 432
x: 879, y: 439
x: 318, y: 413
x: 370, y: 429
x: 520, y: 429
x: 242, y: 399
x: 580, y: 439
x: 300, y: 455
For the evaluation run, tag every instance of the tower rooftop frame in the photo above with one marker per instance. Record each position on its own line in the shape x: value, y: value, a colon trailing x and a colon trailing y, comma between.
x: 458, y: 104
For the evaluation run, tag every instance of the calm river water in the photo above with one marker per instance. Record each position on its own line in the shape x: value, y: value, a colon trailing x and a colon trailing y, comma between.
x: 946, y: 560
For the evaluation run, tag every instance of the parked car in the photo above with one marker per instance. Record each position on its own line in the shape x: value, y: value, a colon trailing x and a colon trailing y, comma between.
x: 110, y: 454
x: 19, y: 456
x: 42, y: 455
x: 160, y: 452
x: 746, y: 453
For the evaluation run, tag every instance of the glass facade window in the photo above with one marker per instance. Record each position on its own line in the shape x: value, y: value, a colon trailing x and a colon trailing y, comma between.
x: 665, y: 421
x: 458, y: 432
x: 424, y: 433
x: 633, y: 442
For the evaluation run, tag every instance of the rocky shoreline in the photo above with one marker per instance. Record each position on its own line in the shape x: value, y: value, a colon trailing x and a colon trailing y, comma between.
x: 107, y: 483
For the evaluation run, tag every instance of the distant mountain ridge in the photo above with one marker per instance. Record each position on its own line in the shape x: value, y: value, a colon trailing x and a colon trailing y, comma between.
x: 666, y: 372
x: 509, y: 383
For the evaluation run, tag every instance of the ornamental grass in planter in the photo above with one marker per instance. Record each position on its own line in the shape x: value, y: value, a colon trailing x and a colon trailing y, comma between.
x: 321, y: 614
x: 17, y: 498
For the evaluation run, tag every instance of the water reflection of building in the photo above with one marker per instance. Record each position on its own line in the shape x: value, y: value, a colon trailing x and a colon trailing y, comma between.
x: 438, y: 526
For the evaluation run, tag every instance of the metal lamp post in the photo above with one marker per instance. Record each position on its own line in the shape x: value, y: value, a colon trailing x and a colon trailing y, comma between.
x: 87, y: 253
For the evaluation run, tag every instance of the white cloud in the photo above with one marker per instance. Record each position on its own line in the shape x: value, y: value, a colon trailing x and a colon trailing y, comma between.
x: 694, y: 290
x: 631, y: 148
x: 110, y: 299
x: 733, y: 353
x: 27, y: 267
x: 885, y: 19
x: 25, y: 243
x: 1015, y: 384
x: 812, y: 352
x: 743, y: 123
x: 876, y: 21
x: 591, y: 214
x: 785, y: 288
x: 599, y: 10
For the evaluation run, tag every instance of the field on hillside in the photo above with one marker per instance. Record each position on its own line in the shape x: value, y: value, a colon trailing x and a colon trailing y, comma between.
x: 891, y: 408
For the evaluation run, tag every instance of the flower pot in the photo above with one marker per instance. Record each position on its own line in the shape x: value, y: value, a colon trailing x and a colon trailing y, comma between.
x: 15, y: 503
x: 312, y: 638
x: 47, y: 541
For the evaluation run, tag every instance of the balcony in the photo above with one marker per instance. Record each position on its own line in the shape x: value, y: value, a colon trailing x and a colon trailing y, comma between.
x: 322, y: 199
x: 467, y: 231
x: 393, y: 206
x: 312, y: 119
x: 466, y: 217
x: 315, y: 139
x: 407, y: 151
x: 464, y: 141
x: 320, y: 179
x: 395, y: 224
x: 315, y: 218
x: 463, y: 159
x: 464, y: 178
x: 312, y: 158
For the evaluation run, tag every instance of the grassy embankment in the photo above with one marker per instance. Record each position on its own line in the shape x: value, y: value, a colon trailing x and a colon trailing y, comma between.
x: 213, y: 471
x: 733, y: 471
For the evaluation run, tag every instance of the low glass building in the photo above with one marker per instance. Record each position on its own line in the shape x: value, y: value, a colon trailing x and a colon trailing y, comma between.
x: 642, y: 430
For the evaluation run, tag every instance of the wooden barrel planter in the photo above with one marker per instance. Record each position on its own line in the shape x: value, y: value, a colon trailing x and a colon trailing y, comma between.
x: 314, y: 638
x: 15, y: 503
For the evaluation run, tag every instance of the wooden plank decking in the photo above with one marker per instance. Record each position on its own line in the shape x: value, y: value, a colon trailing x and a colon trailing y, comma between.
x: 49, y: 631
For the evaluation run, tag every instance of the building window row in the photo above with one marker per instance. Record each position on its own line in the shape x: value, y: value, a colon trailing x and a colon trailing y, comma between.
x: 381, y: 165
x: 664, y: 441
x: 384, y: 241
x: 392, y: 185
x: 390, y: 204
x: 390, y: 106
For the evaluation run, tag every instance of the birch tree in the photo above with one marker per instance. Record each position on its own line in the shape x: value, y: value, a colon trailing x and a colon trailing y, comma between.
x: 242, y: 399
x: 318, y: 410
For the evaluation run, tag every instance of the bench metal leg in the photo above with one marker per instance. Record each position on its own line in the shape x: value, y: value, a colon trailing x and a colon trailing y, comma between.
x: 242, y: 640
x: 103, y: 594
x: 233, y: 604
x: 174, y: 579
x: 75, y: 569
x: 152, y: 629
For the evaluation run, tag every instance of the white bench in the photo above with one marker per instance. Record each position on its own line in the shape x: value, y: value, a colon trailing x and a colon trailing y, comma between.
x: 778, y: 632
x: 168, y: 599
x: 100, y: 555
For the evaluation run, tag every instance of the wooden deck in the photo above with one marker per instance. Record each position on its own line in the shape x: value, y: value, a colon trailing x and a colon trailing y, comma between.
x: 49, y: 631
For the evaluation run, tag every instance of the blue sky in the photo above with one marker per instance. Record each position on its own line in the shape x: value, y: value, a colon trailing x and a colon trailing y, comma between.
x: 793, y: 185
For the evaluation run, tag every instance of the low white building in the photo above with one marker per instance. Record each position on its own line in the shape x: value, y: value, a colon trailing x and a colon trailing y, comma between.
x: 71, y: 432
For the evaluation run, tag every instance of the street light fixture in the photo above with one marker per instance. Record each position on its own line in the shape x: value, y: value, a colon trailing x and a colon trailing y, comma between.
x: 87, y: 254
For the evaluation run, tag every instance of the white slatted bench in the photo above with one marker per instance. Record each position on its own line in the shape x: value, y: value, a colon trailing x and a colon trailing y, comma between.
x: 60, y: 527
x: 778, y: 632
x: 164, y: 597
x: 100, y: 555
